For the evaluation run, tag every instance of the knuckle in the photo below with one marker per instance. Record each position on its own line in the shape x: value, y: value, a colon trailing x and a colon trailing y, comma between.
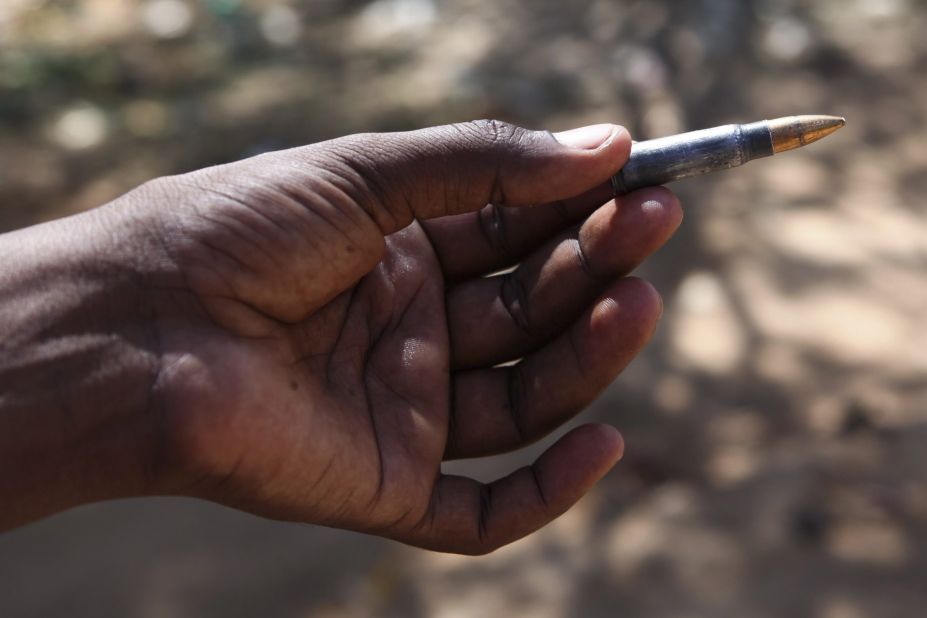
x: 157, y: 186
x: 356, y: 161
x: 498, y: 144
x: 496, y: 132
x: 356, y: 168
x: 160, y: 189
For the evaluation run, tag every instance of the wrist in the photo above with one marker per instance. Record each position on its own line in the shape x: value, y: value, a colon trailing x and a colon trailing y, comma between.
x: 79, y: 356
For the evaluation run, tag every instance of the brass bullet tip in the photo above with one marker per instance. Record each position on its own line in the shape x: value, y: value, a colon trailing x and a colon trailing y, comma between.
x: 796, y: 131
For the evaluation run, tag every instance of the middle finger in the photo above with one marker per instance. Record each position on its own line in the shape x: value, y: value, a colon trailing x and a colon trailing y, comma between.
x: 502, y: 318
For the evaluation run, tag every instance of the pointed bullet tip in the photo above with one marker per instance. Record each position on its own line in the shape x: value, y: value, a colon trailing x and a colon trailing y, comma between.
x: 797, y: 131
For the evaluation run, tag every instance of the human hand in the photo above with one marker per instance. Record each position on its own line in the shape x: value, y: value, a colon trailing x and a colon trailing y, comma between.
x: 326, y: 334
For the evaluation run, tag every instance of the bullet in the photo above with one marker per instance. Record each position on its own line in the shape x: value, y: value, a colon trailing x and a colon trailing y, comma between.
x: 664, y: 160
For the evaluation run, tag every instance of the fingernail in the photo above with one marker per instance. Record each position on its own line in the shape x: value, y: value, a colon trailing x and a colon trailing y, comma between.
x: 587, y: 138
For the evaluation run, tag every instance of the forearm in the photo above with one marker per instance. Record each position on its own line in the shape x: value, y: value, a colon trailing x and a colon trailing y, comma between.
x: 78, y: 356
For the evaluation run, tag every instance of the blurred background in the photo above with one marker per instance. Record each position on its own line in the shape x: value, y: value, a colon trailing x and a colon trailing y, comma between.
x: 776, y: 429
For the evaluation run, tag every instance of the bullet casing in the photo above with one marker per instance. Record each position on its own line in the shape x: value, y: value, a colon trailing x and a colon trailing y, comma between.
x: 659, y: 161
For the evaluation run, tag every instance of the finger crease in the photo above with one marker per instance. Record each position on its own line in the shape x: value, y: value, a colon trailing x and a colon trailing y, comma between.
x: 439, y: 255
x: 381, y: 468
x: 539, y: 486
x: 493, y: 227
x: 515, y: 301
x: 392, y: 525
x: 497, y: 191
x: 482, y: 522
x: 577, y: 357
x: 451, y: 445
x: 585, y: 265
x: 427, y: 520
x: 515, y: 393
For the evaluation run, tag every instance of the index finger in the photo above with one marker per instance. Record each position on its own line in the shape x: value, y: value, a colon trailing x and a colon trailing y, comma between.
x: 496, y: 237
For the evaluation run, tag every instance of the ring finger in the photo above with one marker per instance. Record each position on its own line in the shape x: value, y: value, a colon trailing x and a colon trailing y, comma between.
x: 501, y: 318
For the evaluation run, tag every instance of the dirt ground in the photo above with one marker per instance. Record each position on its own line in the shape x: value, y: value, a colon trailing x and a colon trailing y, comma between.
x: 776, y: 428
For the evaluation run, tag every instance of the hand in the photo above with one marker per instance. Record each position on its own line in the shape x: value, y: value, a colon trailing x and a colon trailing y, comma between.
x: 326, y: 334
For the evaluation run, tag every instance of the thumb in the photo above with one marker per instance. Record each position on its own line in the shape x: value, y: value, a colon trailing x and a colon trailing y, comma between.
x: 293, y: 229
x: 452, y: 169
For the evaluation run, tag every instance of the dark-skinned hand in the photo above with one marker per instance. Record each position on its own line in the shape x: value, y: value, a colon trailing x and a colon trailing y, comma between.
x: 309, y: 334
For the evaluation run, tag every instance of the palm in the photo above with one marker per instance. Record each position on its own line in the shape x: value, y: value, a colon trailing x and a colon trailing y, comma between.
x: 364, y: 379
x: 378, y: 356
x: 343, y: 417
